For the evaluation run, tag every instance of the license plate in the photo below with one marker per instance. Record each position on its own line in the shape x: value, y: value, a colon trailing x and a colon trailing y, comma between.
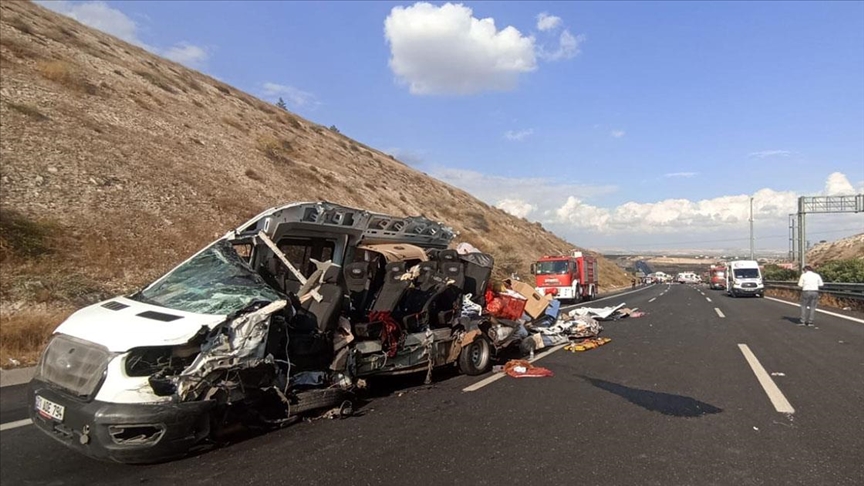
x: 49, y: 409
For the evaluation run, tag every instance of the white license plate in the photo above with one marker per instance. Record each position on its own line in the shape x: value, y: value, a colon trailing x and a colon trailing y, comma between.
x: 49, y: 409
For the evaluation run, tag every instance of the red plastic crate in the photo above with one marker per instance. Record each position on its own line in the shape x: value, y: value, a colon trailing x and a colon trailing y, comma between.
x: 512, y: 307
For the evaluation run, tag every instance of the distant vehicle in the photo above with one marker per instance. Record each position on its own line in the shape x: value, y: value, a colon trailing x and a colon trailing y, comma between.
x: 570, y: 277
x: 717, y: 279
x: 687, y: 277
x: 743, y: 277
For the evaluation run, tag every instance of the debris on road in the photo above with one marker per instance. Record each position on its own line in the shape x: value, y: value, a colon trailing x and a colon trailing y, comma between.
x: 520, y: 368
x: 587, y: 344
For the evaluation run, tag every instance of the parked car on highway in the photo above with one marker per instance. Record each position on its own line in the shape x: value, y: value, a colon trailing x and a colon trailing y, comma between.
x: 285, y: 314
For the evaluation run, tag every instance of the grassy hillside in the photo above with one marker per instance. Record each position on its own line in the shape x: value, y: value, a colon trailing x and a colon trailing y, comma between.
x: 842, y: 249
x: 117, y: 164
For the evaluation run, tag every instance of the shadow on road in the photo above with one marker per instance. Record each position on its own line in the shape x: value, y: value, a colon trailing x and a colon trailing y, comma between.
x: 665, y: 403
x: 793, y: 320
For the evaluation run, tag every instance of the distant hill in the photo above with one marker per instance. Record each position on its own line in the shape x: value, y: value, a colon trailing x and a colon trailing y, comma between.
x: 117, y: 164
x: 849, y: 247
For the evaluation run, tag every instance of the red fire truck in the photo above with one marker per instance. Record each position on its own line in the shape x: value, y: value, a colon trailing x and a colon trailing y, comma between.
x: 717, y: 276
x: 570, y: 277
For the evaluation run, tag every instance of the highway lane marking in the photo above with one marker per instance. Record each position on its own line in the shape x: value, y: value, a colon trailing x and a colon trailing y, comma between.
x: 848, y: 318
x: 708, y: 299
x: 781, y: 404
x: 719, y: 312
x: 652, y: 300
x: 15, y: 424
x: 497, y: 376
x: 564, y: 308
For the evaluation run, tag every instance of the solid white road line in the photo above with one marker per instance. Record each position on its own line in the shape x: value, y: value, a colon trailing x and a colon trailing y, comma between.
x: 564, y: 308
x: 774, y: 394
x: 719, y: 312
x: 652, y: 300
x: 848, y: 318
x: 497, y: 376
x: 708, y: 299
x: 15, y: 424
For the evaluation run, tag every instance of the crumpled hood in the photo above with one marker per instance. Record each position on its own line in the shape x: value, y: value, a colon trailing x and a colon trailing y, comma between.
x: 121, y: 324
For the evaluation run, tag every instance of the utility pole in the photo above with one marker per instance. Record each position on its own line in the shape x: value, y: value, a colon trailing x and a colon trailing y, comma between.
x: 752, y: 240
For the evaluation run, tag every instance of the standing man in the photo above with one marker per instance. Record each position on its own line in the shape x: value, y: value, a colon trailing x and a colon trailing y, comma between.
x: 809, y: 282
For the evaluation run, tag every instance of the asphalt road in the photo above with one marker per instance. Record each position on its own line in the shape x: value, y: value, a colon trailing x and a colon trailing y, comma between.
x: 671, y: 400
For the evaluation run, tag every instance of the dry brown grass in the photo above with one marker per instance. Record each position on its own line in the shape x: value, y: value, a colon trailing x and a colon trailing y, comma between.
x: 28, y: 110
x: 20, y: 49
x: 66, y: 75
x: 23, y: 335
x: 276, y: 149
x: 234, y: 123
x: 156, y: 80
x: 250, y: 173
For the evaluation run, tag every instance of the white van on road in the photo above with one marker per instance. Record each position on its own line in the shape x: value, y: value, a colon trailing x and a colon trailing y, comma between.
x: 744, y: 278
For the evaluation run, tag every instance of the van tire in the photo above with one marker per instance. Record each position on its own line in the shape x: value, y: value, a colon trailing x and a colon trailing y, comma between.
x: 476, y: 357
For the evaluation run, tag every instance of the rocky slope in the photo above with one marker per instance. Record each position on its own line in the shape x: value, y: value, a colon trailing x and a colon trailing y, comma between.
x: 117, y: 164
x: 849, y: 247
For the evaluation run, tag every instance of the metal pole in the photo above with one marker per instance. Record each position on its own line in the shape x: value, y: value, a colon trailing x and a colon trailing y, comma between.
x: 752, y: 241
x: 802, y: 235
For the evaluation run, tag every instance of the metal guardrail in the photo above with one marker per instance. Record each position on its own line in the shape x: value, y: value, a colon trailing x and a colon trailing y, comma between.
x: 845, y: 290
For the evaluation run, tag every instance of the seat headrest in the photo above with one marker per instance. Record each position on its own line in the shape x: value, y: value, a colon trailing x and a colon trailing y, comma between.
x: 448, y: 256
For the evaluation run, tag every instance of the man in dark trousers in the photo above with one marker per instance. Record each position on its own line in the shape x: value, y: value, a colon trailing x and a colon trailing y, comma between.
x: 809, y: 282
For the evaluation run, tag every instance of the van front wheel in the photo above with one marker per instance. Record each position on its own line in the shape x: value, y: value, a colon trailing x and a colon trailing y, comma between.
x: 476, y: 357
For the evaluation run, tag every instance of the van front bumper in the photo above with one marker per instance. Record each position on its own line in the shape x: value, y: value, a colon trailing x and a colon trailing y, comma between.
x: 121, y: 432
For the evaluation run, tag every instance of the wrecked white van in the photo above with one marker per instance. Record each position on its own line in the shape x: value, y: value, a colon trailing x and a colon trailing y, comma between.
x: 282, y: 315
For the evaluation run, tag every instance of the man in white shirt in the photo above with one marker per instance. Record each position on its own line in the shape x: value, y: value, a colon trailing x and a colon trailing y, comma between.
x: 809, y: 282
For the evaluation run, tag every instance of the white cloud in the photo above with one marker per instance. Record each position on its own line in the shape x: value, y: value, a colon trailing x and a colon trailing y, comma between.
x: 547, y: 22
x: 617, y: 133
x: 769, y: 153
x: 516, y: 194
x: 99, y: 15
x: 290, y: 94
x: 568, y: 47
x: 680, y: 174
x: 569, y: 210
x: 516, y: 207
x: 838, y: 185
x: 518, y: 136
x: 446, y: 50
x: 188, y: 55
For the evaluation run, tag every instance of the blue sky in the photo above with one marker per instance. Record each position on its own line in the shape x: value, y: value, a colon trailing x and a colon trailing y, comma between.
x: 616, y: 124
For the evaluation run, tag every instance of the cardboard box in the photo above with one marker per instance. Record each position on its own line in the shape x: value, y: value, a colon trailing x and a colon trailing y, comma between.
x: 537, y: 304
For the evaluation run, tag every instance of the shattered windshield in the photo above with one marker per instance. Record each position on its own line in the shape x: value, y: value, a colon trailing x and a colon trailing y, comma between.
x: 747, y: 273
x: 555, y: 267
x: 216, y: 281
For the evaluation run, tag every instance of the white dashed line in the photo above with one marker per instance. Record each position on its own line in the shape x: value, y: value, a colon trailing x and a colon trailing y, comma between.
x: 708, y: 299
x: 652, y: 300
x: 719, y: 312
x: 15, y: 424
x: 781, y: 404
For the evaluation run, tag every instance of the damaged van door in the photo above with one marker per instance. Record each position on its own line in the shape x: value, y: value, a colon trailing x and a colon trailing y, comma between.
x: 282, y: 316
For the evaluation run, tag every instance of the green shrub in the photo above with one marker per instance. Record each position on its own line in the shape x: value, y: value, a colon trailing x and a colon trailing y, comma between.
x: 775, y: 272
x: 850, y: 270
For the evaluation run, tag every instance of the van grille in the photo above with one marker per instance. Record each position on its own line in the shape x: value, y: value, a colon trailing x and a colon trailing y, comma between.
x: 748, y: 285
x: 73, y: 364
